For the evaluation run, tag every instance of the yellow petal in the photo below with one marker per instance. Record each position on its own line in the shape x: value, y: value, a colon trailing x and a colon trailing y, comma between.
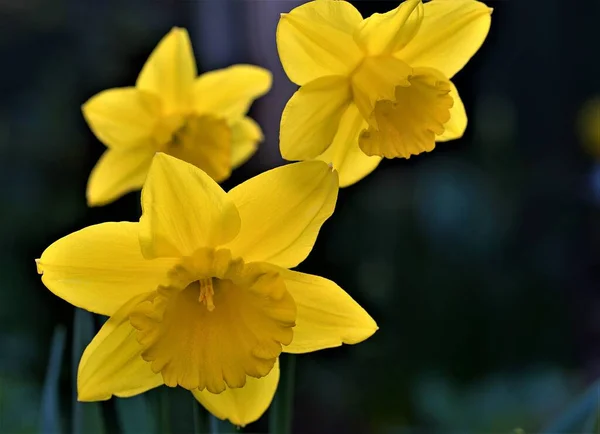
x: 112, y: 363
x: 229, y: 92
x: 451, y: 33
x: 100, y: 267
x: 244, y: 405
x: 213, y: 333
x: 376, y: 79
x: 117, y: 173
x: 205, y: 142
x: 245, y: 136
x: 326, y: 315
x: 183, y: 209
x: 170, y: 70
x: 123, y: 118
x: 351, y: 163
x: 389, y: 32
x: 456, y: 126
x: 408, y: 126
x: 282, y: 211
x: 311, y: 117
x: 315, y: 40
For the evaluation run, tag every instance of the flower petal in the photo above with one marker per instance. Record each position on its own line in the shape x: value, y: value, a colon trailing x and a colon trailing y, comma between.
x: 100, y: 267
x: 456, y: 126
x: 205, y: 142
x: 170, y: 70
x: 229, y: 92
x: 112, y: 363
x: 184, y: 209
x: 451, y: 33
x: 326, y: 315
x: 347, y: 158
x: 315, y: 40
x: 311, y: 117
x: 123, y: 118
x: 245, y: 136
x: 117, y: 173
x: 389, y: 32
x: 244, y: 405
x: 282, y: 211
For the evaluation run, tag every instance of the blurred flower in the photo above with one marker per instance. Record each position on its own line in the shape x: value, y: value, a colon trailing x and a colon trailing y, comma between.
x: 589, y: 126
x: 378, y: 87
x: 197, y: 119
x: 199, y: 293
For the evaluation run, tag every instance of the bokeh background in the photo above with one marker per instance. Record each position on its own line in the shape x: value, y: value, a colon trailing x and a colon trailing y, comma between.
x: 480, y: 260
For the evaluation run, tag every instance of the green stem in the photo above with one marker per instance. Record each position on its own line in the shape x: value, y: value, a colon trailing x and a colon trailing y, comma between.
x: 164, y: 422
x: 281, y: 414
x: 200, y: 418
x: 218, y: 426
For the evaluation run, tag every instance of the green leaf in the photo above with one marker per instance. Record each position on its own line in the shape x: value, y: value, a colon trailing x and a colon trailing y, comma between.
x: 281, y: 412
x: 578, y: 415
x: 87, y: 416
x: 50, y: 420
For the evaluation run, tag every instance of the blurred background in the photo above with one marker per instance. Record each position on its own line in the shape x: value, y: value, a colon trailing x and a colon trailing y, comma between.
x: 480, y: 261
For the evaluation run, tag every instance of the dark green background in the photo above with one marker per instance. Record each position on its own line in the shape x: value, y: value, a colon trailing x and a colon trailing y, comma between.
x: 479, y: 261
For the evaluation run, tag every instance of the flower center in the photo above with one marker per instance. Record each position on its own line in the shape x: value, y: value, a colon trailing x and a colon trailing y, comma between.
x: 406, y: 108
x: 202, y: 140
x: 206, y: 293
x: 219, y: 321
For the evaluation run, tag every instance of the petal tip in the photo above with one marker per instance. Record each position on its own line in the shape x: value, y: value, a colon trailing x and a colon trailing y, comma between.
x: 39, y: 267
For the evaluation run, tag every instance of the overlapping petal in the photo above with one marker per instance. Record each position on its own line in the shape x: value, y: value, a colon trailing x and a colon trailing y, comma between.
x: 245, y: 136
x: 315, y: 40
x: 100, y: 267
x: 389, y: 32
x: 351, y: 163
x: 170, y: 71
x: 184, y: 209
x: 456, y: 126
x: 451, y: 33
x: 326, y: 315
x: 244, y: 405
x: 311, y: 117
x: 117, y: 173
x: 229, y: 92
x: 123, y: 118
x: 205, y: 142
x: 282, y: 211
x: 112, y: 363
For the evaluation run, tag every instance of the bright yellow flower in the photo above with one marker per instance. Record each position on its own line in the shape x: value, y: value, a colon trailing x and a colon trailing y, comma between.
x: 199, y: 292
x: 198, y: 119
x: 375, y: 87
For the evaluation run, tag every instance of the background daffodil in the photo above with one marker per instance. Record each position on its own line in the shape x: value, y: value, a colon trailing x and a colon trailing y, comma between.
x: 375, y: 87
x: 198, y: 119
x: 199, y: 292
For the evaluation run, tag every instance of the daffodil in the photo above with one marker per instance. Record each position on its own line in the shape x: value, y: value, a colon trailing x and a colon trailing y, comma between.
x: 198, y: 119
x: 199, y: 292
x: 375, y: 87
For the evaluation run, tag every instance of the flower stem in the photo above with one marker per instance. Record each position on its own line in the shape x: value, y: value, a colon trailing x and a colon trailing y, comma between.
x: 281, y: 414
x: 164, y: 423
x: 200, y: 418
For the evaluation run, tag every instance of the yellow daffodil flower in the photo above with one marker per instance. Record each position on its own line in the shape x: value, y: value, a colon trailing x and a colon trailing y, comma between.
x: 375, y: 87
x: 198, y: 119
x: 199, y: 292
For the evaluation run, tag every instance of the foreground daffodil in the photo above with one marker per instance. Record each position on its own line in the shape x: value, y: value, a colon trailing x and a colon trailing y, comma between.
x: 199, y: 293
x: 375, y: 87
x: 198, y: 119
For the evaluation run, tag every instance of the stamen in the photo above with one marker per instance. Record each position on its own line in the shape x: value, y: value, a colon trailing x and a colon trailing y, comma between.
x: 206, y: 293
